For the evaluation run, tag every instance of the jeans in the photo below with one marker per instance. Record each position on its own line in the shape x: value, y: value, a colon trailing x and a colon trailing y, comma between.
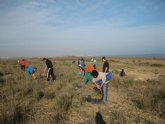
x: 105, y: 91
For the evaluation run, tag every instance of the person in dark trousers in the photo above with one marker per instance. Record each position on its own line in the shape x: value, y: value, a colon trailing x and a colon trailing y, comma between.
x: 105, y: 65
x: 49, y: 69
x: 122, y: 73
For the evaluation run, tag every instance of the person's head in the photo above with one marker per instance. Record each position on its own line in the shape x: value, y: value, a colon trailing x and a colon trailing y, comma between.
x: 44, y: 59
x: 81, y: 65
x: 103, y: 58
x: 95, y: 73
x: 23, y: 59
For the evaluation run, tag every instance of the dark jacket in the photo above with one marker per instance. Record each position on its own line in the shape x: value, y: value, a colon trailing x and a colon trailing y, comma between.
x: 106, y: 65
x: 49, y: 63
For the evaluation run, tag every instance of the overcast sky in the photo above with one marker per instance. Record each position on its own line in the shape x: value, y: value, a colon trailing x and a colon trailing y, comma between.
x: 81, y: 27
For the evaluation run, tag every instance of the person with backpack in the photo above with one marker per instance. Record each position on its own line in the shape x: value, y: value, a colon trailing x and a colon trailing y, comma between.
x: 49, y: 69
x: 85, y: 73
x: 22, y: 64
x: 30, y: 71
x: 105, y: 65
x: 101, y: 80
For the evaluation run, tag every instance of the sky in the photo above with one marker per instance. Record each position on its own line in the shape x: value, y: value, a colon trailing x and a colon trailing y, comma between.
x: 35, y: 28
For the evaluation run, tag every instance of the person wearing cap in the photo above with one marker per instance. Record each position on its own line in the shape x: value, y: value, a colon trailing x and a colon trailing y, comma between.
x: 49, y: 69
x: 105, y: 65
x: 30, y: 71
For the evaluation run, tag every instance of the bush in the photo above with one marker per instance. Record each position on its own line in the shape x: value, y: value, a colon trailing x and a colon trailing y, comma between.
x: 158, y: 102
x: 157, y: 65
x: 139, y: 103
x: 1, y: 82
x: 16, y: 115
x: 49, y: 95
x: 117, y: 117
x: 62, y: 105
x: 28, y: 91
x: 39, y: 95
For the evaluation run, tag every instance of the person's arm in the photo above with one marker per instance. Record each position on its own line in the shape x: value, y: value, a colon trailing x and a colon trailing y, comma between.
x: 34, y: 76
x: 97, y: 85
x: 103, y: 77
x: 106, y: 69
x: 94, y: 81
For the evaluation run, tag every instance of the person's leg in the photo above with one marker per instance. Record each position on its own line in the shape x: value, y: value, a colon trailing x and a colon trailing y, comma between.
x: 24, y: 68
x: 105, y: 91
x: 27, y: 75
x: 21, y: 67
x: 48, y: 74
x: 52, y: 74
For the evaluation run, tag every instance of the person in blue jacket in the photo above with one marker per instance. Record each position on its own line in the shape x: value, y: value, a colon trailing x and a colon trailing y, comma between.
x: 30, y: 71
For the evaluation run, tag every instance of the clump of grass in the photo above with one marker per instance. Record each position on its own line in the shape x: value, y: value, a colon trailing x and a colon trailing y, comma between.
x: 122, y: 82
x: 128, y: 82
x: 117, y: 117
x: 62, y: 105
x: 151, y: 98
x: 1, y: 81
x: 16, y: 115
x: 49, y: 95
x: 158, y: 102
x: 3, y: 98
x: 157, y: 65
x: 39, y: 95
x: 115, y: 71
x: 1, y: 74
x: 139, y: 102
x: 28, y: 91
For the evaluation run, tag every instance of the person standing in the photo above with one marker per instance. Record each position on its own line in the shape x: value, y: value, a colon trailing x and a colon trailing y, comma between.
x: 105, y: 65
x: 49, y: 69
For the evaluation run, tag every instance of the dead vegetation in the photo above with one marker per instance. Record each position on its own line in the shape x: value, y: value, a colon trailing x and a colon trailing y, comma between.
x: 131, y: 99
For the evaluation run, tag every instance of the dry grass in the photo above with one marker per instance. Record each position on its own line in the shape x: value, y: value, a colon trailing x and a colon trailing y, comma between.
x: 139, y: 97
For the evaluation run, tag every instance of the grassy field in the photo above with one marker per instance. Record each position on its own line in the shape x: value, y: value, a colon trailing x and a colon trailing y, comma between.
x: 139, y: 97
